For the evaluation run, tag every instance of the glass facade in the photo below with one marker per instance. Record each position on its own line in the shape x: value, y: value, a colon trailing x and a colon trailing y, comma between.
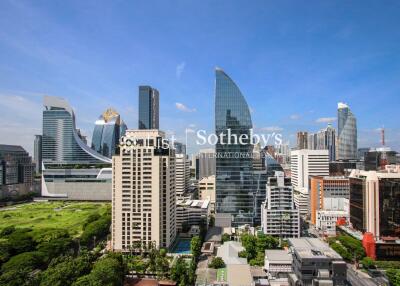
x: 347, y: 133
x: 107, y: 132
x: 389, y: 207
x: 148, y: 108
x: 61, y: 143
x: 234, y: 176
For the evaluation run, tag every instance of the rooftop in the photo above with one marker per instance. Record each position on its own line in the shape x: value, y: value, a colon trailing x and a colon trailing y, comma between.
x: 229, y: 252
x: 312, y: 248
x: 278, y: 255
x: 11, y: 148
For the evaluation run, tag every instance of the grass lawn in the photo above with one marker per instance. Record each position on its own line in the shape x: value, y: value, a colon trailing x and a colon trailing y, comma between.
x: 41, y: 215
x: 221, y: 275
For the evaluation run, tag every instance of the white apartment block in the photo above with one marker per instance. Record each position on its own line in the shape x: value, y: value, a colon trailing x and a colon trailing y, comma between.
x: 305, y: 163
x: 192, y: 212
x: 143, y: 191
x: 207, y: 190
x: 182, y: 174
x: 278, y: 214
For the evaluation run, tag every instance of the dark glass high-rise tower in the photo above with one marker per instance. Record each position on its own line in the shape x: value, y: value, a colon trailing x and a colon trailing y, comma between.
x: 234, y: 167
x: 109, y: 128
x: 148, y: 108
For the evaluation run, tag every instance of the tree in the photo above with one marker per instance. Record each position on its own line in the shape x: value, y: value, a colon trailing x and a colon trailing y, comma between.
x: 341, y: 251
x: 21, y: 241
x: 26, y: 260
x: 393, y: 276
x: 217, y: 262
x: 179, y: 272
x: 108, y: 271
x: 258, y: 260
x: 225, y: 237
x: 7, y: 231
x: 367, y: 262
x: 195, y: 246
x: 65, y: 270
x: 249, y: 243
x: 97, y: 229
x: 5, y: 250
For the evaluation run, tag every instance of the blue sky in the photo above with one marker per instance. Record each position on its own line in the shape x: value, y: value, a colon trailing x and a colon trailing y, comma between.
x: 293, y: 61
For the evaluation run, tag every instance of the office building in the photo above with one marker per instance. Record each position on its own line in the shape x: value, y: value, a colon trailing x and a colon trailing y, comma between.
x: 234, y: 177
x: 206, y: 163
x: 61, y: 141
x: 375, y: 203
x: 306, y: 163
x: 207, y: 190
x: 192, y: 213
x: 278, y: 214
x: 143, y: 191
x: 325, y: 139
x: 37, y: 153
x: 182, y: 174
x: 71, y: 169
x: 327, y: 220
x: 16, y: 171
x: 328, y: 193
x: 148, y: 108
x: 377, y: 159
x: 315, y: 263
x: 347, y: 133
x: 108, y: 129
x: 302, y: 140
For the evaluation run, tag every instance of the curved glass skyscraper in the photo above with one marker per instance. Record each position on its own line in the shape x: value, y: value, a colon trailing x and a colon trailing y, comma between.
x: 234, y: 172
x: 347, y: 133
x: 61, y: 141
x: 107, y: 132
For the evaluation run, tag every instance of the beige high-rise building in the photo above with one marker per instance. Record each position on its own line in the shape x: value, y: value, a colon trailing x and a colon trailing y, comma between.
x: 207, y: 190
x: 143, y: 197
x: 182, y: 174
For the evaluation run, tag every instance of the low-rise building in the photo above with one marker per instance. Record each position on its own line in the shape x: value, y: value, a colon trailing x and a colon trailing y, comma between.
x: 326, y: 221
x: 315, y: 263
x: 190, y: 213
x: 207, y: 190
x: 277, y: 261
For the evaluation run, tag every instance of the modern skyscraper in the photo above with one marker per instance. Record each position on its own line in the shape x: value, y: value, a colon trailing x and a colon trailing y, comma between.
x: 143, y: 197
x: 302, y: 140
x: 278, y: 214
x: 37, y: 153
x: 347, y: 133
x: 325, y: 139
x: 72, y: 170
x: 375, y: 202
x: 206, y: 159
x: 148, y: 107
x: 108, y: 129
x: 234, y: 177
x: 61, y: 142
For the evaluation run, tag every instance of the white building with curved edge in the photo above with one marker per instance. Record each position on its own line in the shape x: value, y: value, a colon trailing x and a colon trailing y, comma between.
x: 71, y: 170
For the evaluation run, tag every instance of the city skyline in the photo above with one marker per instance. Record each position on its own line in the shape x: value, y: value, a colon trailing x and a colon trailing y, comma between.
x: 344, y: 54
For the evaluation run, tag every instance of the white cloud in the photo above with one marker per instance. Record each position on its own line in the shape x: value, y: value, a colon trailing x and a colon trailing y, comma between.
x: 179, y: 69
x: 192, y: 125
x: 271, y: 128
x: 184, y: 108
x: 294, y: 117
x: 20, y: 118
x: 326, y: 120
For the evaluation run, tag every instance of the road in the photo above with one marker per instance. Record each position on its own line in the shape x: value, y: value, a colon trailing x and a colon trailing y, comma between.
x: 356, y: 280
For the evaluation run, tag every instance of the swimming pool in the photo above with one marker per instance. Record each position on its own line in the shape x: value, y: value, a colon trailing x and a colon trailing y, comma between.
x: 182, y: 246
